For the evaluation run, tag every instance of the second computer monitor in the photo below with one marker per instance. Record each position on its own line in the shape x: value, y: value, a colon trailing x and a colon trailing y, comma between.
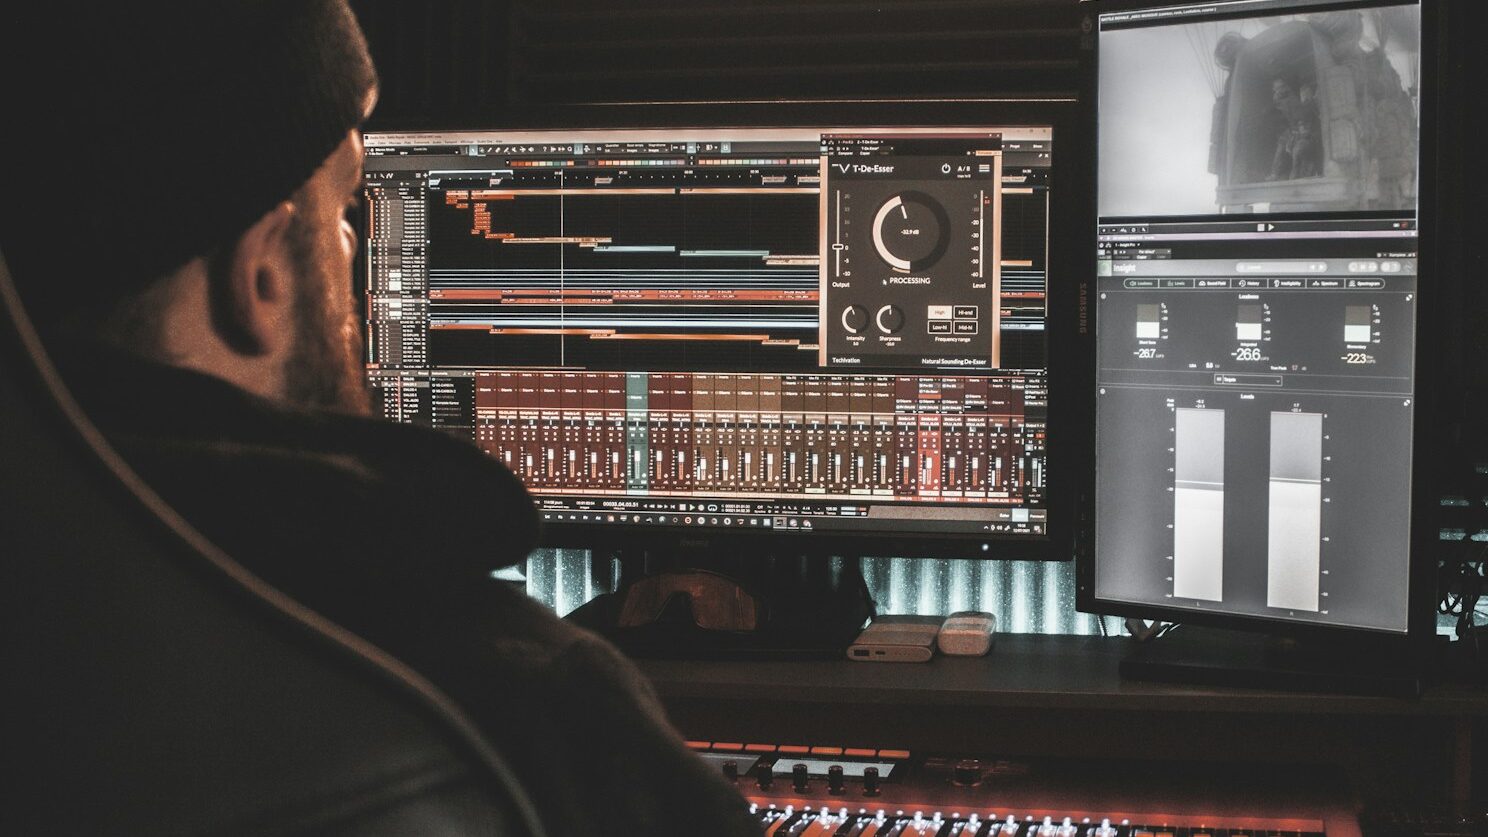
x: 1258, y: 296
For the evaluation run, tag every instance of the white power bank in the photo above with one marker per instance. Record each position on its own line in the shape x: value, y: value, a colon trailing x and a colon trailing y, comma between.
x: 896, y: 639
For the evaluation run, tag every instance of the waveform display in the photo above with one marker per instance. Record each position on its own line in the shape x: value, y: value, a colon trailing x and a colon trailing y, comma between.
x: 624, y: 276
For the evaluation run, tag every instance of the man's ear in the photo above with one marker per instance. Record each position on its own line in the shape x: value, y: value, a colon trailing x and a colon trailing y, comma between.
x: 251, y: 288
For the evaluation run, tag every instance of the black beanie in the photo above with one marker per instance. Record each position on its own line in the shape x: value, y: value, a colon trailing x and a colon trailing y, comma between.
x: 141, y: 135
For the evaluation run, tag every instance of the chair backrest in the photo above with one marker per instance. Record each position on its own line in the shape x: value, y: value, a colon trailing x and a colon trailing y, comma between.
x: 153, y: 686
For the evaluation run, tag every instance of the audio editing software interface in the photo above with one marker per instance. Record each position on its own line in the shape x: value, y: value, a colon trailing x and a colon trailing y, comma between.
x: 1256, y: 309
x: 805, y: 329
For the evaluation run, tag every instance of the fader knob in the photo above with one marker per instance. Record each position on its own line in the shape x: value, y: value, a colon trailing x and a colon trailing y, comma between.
x: 800, y: 777
x: 834, y: 780
x: 870, y: 781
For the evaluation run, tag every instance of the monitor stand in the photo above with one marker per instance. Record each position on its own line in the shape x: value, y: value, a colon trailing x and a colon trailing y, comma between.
x: 1212, y: 657
x: 807, y: 606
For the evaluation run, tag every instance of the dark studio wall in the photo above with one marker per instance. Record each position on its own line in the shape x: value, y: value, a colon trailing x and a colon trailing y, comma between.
x: 444, y: 62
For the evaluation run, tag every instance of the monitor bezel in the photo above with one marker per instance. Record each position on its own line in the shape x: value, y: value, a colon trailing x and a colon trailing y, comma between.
x: 1067, y: 210
x: 1421, y: 592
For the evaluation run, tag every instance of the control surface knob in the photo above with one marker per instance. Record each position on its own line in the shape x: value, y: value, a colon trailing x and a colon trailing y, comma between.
x: 834, y: 780
x: 966, y: 773
x: 764, y: 776
x: 870, y: 781
x: 731, y: 770
x: 799, y: 777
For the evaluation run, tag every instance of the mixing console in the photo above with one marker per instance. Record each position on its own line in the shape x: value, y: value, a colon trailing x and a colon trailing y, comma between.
x: 949, y: 438
x: 815, y: 791
x: 840, y: 823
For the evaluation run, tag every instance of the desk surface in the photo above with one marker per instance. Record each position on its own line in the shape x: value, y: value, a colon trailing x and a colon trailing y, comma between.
x: 1022, y: 671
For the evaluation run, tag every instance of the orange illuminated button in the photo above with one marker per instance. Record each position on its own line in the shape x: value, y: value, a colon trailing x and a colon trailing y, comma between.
x: 794, y: 749
x: 727, y: 747
x: 904, y: 754
x: 826, y: 751
x: 759, y: 748
x: 862, y: 754
x: 699, y: 745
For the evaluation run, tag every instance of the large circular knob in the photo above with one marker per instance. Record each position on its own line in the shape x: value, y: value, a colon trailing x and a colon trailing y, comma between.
x: 854, y: 319
x: 911, y: 231
x: 889, y: 319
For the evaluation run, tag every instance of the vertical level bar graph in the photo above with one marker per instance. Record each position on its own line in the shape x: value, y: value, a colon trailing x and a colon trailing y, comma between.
x: 1356, y: 324
x: 1198, y: 505
x: 1294, y: 530
x: 1149, y: 321
x: 1249, y: 322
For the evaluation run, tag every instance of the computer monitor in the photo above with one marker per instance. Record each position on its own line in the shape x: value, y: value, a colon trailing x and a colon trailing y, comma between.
x: 820, y: 339
x: 1260, y: 298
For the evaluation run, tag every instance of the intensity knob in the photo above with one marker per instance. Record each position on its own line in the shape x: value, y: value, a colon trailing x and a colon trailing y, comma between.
x: 854, y: 319
x: 890, y: 319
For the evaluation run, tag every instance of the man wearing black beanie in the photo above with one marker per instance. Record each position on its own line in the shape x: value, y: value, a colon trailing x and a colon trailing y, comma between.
x: 175, y: 219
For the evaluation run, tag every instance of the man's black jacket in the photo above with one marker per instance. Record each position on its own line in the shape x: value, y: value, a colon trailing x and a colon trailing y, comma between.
x: 393, y: 532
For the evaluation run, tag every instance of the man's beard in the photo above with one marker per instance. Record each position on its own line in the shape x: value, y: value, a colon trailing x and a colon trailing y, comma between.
x: 324, y: 369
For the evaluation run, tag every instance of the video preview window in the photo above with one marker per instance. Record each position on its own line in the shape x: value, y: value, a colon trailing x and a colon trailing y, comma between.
x: 1309, y: 112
